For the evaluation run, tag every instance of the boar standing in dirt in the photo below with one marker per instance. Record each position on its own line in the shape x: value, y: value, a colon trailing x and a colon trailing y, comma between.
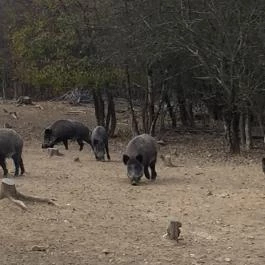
x: 141, y: 153
x: 11, y: 145
x: 99, y: 141
x: 64, y: 130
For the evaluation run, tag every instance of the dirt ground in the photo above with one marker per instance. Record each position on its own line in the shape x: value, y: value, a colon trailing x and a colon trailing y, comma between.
x: 102, y: 219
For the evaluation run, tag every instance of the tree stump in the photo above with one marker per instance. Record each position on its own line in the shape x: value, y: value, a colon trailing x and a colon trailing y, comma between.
x: 54, y: 152
x: 8, y: 190
x: 173, y: 230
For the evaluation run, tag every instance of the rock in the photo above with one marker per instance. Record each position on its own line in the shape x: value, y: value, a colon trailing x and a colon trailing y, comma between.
x: 39, y: 248
x: 105, y: 251
x: 76, y: 159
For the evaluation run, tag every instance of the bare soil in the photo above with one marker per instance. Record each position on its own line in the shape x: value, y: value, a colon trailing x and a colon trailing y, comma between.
x: 102, y: 219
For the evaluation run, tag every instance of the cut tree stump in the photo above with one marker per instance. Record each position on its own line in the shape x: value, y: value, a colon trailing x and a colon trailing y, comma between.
x: 54, y: 152
x: 173, y: 230
x: 8, y: 190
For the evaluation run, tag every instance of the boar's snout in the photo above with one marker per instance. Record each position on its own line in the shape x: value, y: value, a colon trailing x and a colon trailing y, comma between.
x: 134, y: 183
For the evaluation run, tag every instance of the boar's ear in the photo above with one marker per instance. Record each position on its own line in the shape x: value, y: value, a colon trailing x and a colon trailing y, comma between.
x: 125, y: 159
x: 139, y: 158
x: 48, y: 131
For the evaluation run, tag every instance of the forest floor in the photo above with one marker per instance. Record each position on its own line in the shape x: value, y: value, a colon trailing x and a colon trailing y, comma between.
x: 102, y: 219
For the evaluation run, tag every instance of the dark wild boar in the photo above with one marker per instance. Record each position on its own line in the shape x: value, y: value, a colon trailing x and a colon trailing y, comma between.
x: 141, y: 153
x: 99, y: 141
x: 64, y: 130
x: 11, y: 145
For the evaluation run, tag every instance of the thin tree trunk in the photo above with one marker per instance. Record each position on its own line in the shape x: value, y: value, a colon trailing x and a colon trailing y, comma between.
x: 161, y: 102
x: 150, y: 96
x: 260, y: 120
x: 242, y: 129
x: 111, y: 120
x: 231, y: 119
x: 248, y: 131
x: 171, y: 112
x: 135, y: 129
x: 235, y: 144
x: 145, y: 119
x: 183, y: 112
x: 99, y: 107
x: 190, y: 113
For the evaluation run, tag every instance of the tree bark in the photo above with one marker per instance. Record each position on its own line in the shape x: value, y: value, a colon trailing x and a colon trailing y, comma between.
x: 111, y: 120
x: 161, y: 102
x: 150, y: 97
x: 134, y: 127
x: 248, y: 133
x: 242, y: 129
x: 99, y: 107
x: 171, y: 111
x: 231, y: 119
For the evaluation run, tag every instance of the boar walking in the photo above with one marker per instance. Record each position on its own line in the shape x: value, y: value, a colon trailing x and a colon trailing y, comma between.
x: 141, y: 153
x: 99, y: 141
x: 11, y: 145
x: 64, y: 130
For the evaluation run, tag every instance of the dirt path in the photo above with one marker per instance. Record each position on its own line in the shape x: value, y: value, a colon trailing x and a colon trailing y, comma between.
x: 221, y: 208
x: 105, y: 220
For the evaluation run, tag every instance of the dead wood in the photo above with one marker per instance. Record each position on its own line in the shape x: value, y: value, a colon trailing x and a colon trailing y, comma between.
x: 39, y: 106
x: 12, y: 113
x: 8, y: 190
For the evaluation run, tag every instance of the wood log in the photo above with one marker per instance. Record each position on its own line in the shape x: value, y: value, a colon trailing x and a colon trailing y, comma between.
x: 173, y: 230
x: 8, y: 190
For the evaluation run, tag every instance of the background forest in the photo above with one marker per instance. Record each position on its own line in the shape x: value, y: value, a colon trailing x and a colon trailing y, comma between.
x: 187, y: 60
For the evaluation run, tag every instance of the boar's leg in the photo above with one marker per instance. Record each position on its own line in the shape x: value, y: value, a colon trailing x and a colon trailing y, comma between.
x: 3, y: 165
x: 107, y: 150
x: 16, y: 159
x: 21, y: 164
x: 146, y: 172
x: 81, y: 144
x: 153, y: 170
x: 65, y: 142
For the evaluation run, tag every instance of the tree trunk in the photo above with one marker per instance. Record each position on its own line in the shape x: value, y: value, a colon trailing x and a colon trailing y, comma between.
x: 183, y: 112
x: 248, y: 131
x: 111, y: 120
x: 150, y: 97
x: 161, y: 102
x: 260, y: 120
x: 135, y: 129
x: 190, y: 113
x: 170, y: 111
x: 145, y: 119
x: 242, y: 129
x: 99, y: 107
x: 231, y: 119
